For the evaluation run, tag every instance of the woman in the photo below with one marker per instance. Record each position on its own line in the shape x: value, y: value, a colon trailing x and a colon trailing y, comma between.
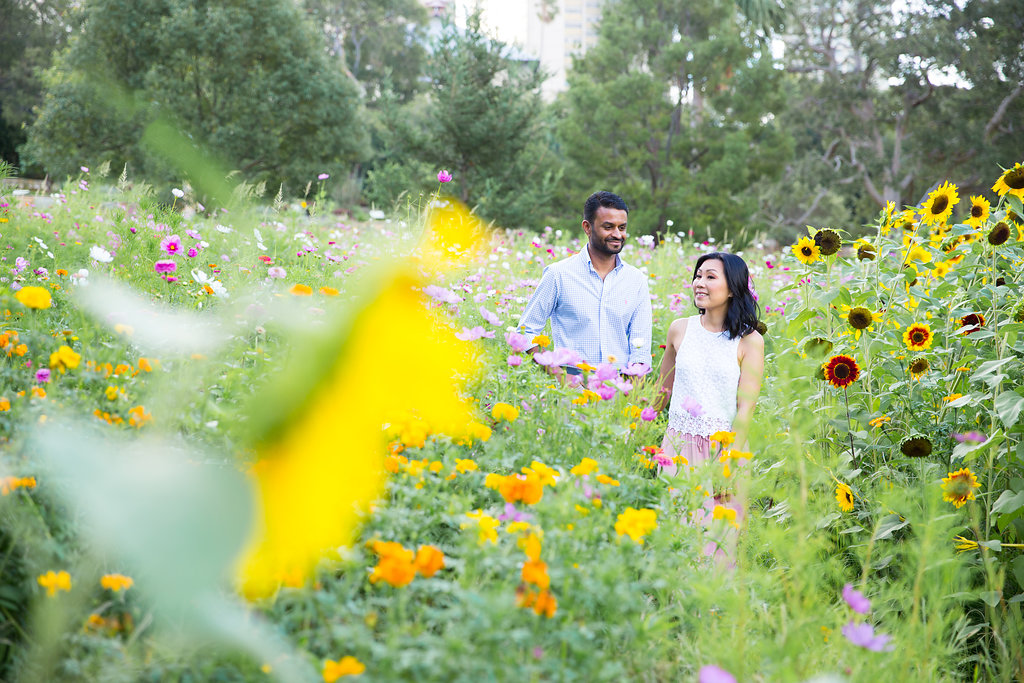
x: 712, y: 368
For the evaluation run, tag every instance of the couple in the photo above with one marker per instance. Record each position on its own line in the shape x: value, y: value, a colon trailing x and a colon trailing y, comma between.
x: 601, y: 308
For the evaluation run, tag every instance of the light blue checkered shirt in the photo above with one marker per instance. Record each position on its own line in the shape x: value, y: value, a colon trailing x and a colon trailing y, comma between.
x: 596, y: 319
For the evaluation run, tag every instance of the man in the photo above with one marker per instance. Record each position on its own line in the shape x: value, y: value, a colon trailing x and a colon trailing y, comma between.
x: 599, y: 307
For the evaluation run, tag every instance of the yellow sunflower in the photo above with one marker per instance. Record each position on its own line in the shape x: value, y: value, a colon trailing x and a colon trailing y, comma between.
x: 1012, y: 182
x: 806, y: 250
x: 958, y: 487
x: 939, y: 204
x: 980, y: 209
x: 844, y: 496
x: 918, y: 337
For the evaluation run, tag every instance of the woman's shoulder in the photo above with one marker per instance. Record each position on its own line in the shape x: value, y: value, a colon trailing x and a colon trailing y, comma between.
x: 752, y: 341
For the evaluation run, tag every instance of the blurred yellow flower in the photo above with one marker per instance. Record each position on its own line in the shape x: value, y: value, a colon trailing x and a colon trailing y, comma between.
x: 34, y: 297
x: 504, y: 411
x: 452, y: 236
x: 346, y: 666
x: 429, y: 560
x: 466, y: 465
x: 310, y: 495
x: 636, y: 523
x: 54, y: 581
x: 844, y: 496
x: 726, y: 513
x: 64, y: 359
x: 116, y: 582
x: 586, y: 466
x: 486, y: 526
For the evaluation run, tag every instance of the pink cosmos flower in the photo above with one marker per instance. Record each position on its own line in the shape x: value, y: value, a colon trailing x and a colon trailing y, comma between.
x: 856, y: 600
x: 864, y: 636
x: 518, y: 342
x: 165, y: 266
x: 648, y: 414
x: 276, y: 272
x: 192, y: 253
x: 514, y: 360
x: 171, y: 244
x: 714, y: 674
x: 636, y: 369
x: 323, y: 176
x: 43, y: 375
x: 472, y: 334
x: 489, y: 317
x: 605, y: 392
x: 606, y: 371
x: 444, y: 176
x: 557, y: 357
x: 690, y: 405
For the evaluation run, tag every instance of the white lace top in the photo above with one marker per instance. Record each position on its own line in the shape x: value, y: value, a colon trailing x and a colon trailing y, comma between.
x: 708, y: 374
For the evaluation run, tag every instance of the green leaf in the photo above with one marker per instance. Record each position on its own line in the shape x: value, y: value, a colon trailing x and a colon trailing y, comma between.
x: 991, y: 598
x: 1018, y: 569
x: 797, y: 322
x: 889, y: 524
x: 1009, y: 502
x: 1008, y: 406
x: 994, y: 545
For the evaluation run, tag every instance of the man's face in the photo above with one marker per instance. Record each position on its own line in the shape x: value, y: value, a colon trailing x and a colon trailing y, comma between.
x: 608, y: 232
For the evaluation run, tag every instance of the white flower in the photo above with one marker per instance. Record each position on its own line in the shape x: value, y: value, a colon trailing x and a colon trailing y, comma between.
x: 259, y: 240
x: 224, y: 229
x: 213, y: 286
x: 100, y: 254
x: 178, y: 193
x: 639, y: 342
x: 376, y: 214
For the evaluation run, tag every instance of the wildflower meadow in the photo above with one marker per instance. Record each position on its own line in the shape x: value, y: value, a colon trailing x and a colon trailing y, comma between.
x: 265, y: 441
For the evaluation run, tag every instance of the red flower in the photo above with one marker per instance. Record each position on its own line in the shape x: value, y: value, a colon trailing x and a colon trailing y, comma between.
x: 841, y: 371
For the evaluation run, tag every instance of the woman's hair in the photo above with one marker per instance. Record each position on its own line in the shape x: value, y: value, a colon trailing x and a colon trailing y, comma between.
x: 742, y: 314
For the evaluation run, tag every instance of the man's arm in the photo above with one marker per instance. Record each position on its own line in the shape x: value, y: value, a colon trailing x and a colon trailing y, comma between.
x: 638, y: 334
x: 540, y: 306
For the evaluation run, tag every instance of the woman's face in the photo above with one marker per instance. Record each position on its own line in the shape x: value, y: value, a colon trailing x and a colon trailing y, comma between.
x: 710, y: 290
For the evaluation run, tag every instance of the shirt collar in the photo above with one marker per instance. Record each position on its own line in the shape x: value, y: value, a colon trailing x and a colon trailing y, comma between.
x: 585, y: 253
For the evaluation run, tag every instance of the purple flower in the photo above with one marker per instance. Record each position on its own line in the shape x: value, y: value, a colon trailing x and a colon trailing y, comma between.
x: 43, y: 375
x: 276, y: 272
x: 606, y: 371
x: 474, y: 333
x: 714, y: 674
x: 518, y: 342
x: 444, y: 176
x: 489, y: 317
x: 557, y: 357
x: 192, y: 253
x: 690, y: 405
x: 441, y: 294
x: 323, y: 176
x: 605, y: 392
x: 165, y: 266
x: 971, y: 437
x: 750, y: 286
x: 171, y: 244
x: 513, y: 514
x: 514, y: 360
x: 648, y: 414
x: 856, y: 600
x: 864, y: 636
x: 636, y: 369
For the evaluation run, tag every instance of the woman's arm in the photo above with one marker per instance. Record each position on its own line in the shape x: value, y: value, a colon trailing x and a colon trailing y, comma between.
x: 751, y: 359
x: 667, y: 371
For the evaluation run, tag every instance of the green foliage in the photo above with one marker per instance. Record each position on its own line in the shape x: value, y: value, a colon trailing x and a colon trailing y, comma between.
x: 674, y: 110
x: 244, y: 81
x: 482, y: 120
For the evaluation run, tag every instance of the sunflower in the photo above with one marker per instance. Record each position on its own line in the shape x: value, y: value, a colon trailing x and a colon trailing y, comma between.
x: 919, y: 366
x: 939, y: 204
x: 844, y: 496
x: 979, y: 211
x: 905, y: 221
x: 941, y: 270
x: 828, y: 241
x: 958, y: 487
x: 806, y: 250
x: 817, y: 347
x: 887, y: 216
x: 841, y: 371
x: 762, y: 327
x: 916, y: 447
x: 1011, y: 181
x: 918, y: 337
x: 999, y: 234
x: 972, y: 322
x: 860, y: 318
x: 865, y: 251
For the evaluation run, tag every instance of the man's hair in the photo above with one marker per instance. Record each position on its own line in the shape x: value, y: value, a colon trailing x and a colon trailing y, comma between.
x: 608, y: 200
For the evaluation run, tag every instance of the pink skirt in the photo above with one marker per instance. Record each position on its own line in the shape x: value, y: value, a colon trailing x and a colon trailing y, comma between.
x: 697, y: 450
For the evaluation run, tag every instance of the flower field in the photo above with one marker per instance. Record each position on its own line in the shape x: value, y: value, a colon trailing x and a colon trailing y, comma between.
x: 196, y: 484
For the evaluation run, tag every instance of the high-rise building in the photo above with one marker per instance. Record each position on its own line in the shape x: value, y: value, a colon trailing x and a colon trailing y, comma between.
x: 550, y: 31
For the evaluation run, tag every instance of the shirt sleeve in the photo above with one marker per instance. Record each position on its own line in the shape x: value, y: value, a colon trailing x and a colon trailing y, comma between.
x: 541, y: 304
x: 639, y: 333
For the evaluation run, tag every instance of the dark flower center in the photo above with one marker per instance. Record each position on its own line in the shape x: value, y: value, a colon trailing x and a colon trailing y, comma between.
x: 977, y: 211
x: 1014, y: 179
x: 940, y: 204
x: 842, y: 371
x: 918, y: 337
x: 806, y: 251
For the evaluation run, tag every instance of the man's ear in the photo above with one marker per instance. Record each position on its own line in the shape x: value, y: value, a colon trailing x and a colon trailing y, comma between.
x: 586, y: 228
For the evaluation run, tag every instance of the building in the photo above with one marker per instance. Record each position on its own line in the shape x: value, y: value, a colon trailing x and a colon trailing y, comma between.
x: 550, y: 31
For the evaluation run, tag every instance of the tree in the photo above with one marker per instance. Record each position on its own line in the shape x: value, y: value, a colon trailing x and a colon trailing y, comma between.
x: 382, y: 42
x: 885, y: 104
x: 245, y: 80
x: 482, y: 119
x: 673, y: 108
x: 29, y: 35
